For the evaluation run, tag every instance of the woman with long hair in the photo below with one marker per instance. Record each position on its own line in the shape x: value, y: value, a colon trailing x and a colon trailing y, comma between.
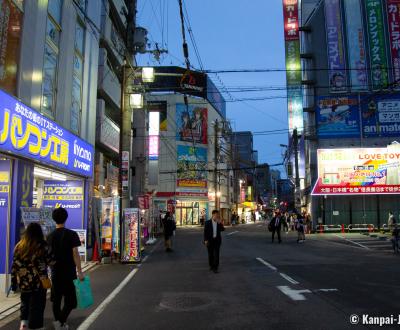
x: 29, y: 274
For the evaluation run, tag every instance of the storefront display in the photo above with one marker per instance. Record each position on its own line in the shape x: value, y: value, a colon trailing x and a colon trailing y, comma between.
x: 131, y: 234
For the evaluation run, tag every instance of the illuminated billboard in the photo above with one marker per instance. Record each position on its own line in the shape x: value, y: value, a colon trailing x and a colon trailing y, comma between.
x: 358, y: 171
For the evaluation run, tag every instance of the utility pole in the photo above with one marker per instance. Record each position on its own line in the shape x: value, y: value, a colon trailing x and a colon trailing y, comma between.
x: 216, y: 152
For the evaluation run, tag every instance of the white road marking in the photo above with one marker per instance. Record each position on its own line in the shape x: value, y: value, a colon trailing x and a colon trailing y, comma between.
x: 326, y: 290
x: 349, y: 240
x: 92, y: 317
x: 259, y: 225
x: 288, y: 278
x: 234, y: 232
x: 293, y: 294
x: 145, y: 258
x: 267, y: 264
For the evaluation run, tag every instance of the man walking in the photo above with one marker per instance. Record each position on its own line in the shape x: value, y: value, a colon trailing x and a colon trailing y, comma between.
x: 169, y: 227
x: 276, y: 225
x: 64, y: 245
x: 212, y: 239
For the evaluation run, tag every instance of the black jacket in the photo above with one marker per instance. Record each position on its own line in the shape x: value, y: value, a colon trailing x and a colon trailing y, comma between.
x: 208, y: 232
x: 275, y: 226
x: 169, y: 226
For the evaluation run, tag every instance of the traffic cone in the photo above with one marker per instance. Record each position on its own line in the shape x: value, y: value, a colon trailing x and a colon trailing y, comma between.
x: 96, y: 256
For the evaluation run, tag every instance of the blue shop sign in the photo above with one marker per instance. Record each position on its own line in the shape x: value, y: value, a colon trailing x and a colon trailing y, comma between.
x: 26, y: 133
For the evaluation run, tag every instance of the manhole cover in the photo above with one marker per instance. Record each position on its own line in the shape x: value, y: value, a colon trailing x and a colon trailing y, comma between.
x: 185, y: 302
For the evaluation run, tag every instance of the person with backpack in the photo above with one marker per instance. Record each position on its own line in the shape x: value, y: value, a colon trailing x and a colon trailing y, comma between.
x: 29, y: 274
x: 64, y: 245
x: 169, y: 227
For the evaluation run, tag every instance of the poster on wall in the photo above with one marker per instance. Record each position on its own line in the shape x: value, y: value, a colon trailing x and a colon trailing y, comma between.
x: 357, y: 53
x: 67, y: 194
x: 131, y: 245
x: 393, y: 19
x: 10, y: 35
x: 43, y: 216
x: 335, y: 44
x: 82, y: 237
x: 191, y: 123
x: 116, y: 227
x: 362, y: 171
x: 377, y: 46
x: 192, y: 167
x: 5, y: 181
x: 381, y: 115
x: 106, y: 223
x: 337, y: 116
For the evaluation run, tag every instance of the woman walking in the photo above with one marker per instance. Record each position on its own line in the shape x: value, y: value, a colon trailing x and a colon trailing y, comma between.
x: 169, y: 227
x: 300, y: 229
x: 29, y: 273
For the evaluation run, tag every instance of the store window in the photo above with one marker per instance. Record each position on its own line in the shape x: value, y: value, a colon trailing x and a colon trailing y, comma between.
x: 51, y: 48
x: 76, y: 105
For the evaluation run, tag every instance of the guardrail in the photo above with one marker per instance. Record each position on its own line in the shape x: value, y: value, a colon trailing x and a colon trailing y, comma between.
x: 359, y: 227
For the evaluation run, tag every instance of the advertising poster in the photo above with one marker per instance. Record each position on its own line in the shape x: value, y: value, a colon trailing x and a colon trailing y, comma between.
x: 381, y: 116
x: 192, y: 167
x: 295, y: 109
x: 191, y: 123
x: 116, y: 227
x: 377, y: 47
x: 106, y: 223
x: 337, y: 116
x: 26, y: 133
x: 362, y: 171
x: 82, y: 237
x: 67, y: 194
x: 5, y: 181
x: 41, y: 215
x: 335, y: 44
x: 393, y: 19
x: 131, y: 247
x: 10, y: 35
x: 293, y: 73
x: 357, y: 53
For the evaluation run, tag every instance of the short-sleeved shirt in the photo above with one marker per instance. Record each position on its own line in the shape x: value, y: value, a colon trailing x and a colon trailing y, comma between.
x: 62, y: 241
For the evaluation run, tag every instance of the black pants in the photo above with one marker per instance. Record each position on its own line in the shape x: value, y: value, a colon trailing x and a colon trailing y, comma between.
x: 32, y: 308
x: 63, y: 289
x: 278, y: 232
x: 213, y: 254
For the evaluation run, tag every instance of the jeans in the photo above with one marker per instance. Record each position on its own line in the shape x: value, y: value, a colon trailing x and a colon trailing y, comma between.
x: 63, y: 289
x: 32, y: 307
x: 395, y: 244
x: 278, y: 232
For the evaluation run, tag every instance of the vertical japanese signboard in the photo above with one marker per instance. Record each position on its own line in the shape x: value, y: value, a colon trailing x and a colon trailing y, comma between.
x: 293, y: 72
x: 357, y: 57
x: 10, y: 35
x: 5, y: 177
x: 125, y: 173
x: 106, y: 225
x: 131, y: 245
x: 335, y: 44
x: 377, y: 48
x: 393, y: 19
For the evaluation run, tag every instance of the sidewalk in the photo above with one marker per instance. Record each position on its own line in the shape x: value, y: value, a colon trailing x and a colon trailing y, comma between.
x: 11, y: 304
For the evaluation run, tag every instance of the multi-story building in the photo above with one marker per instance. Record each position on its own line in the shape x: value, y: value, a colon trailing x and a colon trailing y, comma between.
x: 351, y: 104
x: 48, y: 79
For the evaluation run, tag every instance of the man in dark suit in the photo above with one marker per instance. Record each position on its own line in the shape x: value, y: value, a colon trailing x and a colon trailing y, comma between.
x: 276, y: 225
x: 212, y: 239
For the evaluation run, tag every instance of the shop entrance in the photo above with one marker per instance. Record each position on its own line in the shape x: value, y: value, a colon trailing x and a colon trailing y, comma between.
x: 187, y: 214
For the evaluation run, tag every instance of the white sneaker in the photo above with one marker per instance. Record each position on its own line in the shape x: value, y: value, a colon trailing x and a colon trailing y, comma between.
x: 57, y: 325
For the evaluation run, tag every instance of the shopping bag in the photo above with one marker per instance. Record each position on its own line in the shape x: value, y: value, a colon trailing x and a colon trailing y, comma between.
x: 84, y: 294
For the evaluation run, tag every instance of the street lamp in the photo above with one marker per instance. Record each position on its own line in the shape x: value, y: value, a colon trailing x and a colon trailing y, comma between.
x: 148, y: 75
x: 136, y: 101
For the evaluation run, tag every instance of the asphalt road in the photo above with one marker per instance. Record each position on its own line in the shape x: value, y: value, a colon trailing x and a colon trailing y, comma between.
x: 315, y: 285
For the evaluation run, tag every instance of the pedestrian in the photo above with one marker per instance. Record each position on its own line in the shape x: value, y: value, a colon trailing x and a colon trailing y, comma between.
x: 213, y: 239
x: 300, y: 229
x: 391, y: 220
x: 276, y: 225
x: 29, y: 274
x: 233, y: 218
x: 395, y: 238
x: 285, y: 222
x: 64, y: 245
x: 253, y: 216
x: 169, y: 227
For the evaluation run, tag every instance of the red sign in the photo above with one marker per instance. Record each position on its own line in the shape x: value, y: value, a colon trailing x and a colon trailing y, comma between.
x: 393, y: 15
x: 144, y: 202
x: 291, y: 19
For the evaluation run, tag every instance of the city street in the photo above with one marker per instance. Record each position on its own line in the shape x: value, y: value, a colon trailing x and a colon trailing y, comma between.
x: 318, y: 284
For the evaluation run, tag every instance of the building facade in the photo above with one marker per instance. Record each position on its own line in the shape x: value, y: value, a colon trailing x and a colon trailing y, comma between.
x: 48, y: 82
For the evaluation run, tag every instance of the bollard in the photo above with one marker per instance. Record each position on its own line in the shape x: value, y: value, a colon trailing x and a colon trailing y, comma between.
x: 321, y: 230
x: 342, y: 228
